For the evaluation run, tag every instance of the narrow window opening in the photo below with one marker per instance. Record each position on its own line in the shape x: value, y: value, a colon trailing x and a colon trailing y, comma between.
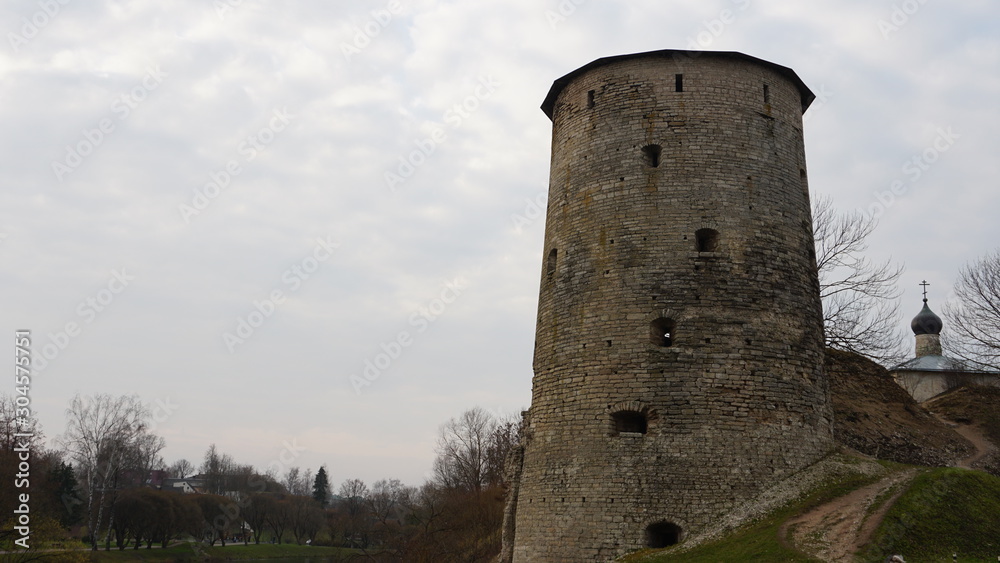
x: 706, y: 240
x: 662, y: 534
x: 651, y: 155
x: 767, y: 94
x: 550, y: 264
x: 678, y: 82
x: 590, y: 99
x: 630, y: 421
x: 661, y: 332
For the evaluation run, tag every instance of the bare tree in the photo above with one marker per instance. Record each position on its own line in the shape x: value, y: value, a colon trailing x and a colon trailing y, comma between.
x: 217, y: 469
x: 106, y: 436
x: 357, y: 523
x: 278, y: 515
x: 256, y: 512
x: 305, y: 518
x: 974, y: 317
x: 15, y: 419
x: 505, y: 437
x: 860, y: 297
x: 181, y: 468
x: 18, y: 428
x: 472, y: 448
x: 384, y: 502
x: 297, y: 482
x: 461, y: 449
x: 142, y: 456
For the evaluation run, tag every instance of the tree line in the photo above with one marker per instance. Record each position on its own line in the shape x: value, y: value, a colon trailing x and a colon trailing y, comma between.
x: 98, y: 480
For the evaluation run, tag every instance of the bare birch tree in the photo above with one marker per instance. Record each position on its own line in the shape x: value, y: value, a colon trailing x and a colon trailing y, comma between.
x: 860, y: 297
x: 974, y: 316
x: 104, y: 436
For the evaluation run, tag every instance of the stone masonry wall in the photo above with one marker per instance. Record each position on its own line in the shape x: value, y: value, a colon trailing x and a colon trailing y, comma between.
x: 738, y: 399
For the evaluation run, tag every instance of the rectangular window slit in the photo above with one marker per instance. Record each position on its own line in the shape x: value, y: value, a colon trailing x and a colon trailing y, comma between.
x: 767, y: 94
x: 590, y: 99
x: 678, y: 82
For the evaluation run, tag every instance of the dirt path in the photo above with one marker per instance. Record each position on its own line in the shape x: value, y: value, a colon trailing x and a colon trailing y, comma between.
x: 975, y: 435
x: 836, y: 530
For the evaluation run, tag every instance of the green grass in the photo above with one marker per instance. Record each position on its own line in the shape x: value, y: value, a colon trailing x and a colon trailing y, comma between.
x: 759, y: 541
x: 945, y: 511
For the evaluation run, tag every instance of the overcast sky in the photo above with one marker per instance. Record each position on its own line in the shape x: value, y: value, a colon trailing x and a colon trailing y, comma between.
x: 218, y: 206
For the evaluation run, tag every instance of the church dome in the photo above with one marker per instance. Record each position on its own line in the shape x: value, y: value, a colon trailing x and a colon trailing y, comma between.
x: 926, y: 322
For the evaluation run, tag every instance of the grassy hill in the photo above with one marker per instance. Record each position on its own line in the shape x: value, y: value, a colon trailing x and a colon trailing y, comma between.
x: 940, y: 512
x: 864, y: 510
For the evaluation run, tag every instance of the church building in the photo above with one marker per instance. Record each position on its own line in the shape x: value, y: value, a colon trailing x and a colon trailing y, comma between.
x: 931, y: 373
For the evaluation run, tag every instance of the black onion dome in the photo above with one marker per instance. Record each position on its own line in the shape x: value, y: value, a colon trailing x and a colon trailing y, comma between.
x: 926, y: 322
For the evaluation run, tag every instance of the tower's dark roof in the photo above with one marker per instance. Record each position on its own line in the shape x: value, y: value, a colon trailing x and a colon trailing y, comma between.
x: 560, y: 83
x: 926, y: 322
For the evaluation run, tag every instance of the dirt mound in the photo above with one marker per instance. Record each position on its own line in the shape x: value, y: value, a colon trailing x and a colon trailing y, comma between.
x: 973, y: 410
x: 875, y: 416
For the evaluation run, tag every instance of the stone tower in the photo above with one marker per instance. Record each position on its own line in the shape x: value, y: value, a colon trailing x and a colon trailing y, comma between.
x: 679, y: 345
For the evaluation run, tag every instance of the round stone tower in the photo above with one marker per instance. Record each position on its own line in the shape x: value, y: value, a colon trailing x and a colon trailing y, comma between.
x: 679, y: 344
